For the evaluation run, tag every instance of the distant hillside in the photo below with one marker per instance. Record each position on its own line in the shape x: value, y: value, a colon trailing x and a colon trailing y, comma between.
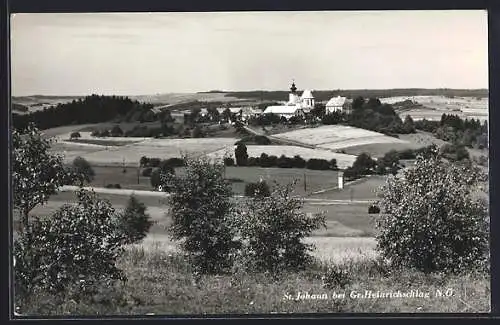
x: 19, y: 108
x: 91, y: 109
x: 323, y: 95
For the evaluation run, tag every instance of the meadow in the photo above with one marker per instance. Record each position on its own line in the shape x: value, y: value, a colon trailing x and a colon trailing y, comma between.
x: 337, y: 137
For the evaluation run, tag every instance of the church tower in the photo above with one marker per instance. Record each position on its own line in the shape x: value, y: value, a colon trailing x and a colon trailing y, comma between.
x: 293, y: 98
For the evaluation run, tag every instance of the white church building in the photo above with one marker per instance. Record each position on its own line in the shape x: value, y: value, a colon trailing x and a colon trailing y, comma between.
x: 296, y: 105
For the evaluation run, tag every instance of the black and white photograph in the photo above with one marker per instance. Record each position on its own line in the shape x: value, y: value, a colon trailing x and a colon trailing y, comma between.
x: 249, y: 163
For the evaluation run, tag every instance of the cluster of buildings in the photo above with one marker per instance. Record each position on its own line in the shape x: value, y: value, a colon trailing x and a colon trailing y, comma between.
x: 297, y: 105
x: 303, y: 104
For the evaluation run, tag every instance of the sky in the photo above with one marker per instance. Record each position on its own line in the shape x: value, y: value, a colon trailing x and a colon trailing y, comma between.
x: 152, y: 53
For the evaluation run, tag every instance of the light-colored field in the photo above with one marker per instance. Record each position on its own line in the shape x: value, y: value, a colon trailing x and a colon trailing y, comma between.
x: 177, y: 98
x: 328, y: 249
x: 160, y: 148
x: 465, y: 107
x: 343, y: 160
x: 337, y: 137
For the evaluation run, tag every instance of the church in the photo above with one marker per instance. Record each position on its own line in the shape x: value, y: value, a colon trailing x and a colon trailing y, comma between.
x: 296, y: 105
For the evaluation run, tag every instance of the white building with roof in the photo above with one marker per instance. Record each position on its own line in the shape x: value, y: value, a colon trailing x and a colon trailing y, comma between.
x: 335, y: 104
x: 296, y: 105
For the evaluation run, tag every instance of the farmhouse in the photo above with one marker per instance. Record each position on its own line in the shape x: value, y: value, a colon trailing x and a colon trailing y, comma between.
x: 337, y: 104
x: 295, y: 106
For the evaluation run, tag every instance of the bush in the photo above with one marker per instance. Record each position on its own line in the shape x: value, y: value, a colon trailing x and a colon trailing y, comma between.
x: 431, y: 219
x: 284, y: 162
x: 257, y: 189
x: 144, y: 161
x: 134, y: 223
x: 82, y: 167
x: 201, y: 208
x: 318, y: 164
x: 75, y: 135
x: 77, y: 246
x: 113, y: 186
x: 253, y: 161
x: 146, y: 172
x: 228, y: 161
x: 299, y: 162
x: 272, y: 230
x: 175, y: 162
x: 373, y: 209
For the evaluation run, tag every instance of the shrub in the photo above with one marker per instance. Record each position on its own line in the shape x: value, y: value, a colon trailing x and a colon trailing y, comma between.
x: 228, y: 161
x: 104, y: 133
x: 83, y: 167
x: 175, y: 162
x: 134, y: 223
x: 146, y: 172
x: 299, y: 162
x: 201, y: 209
x: 253, y: 161
x: 318, y: 164
x: 78, y: 245
x: 241, y: 155
x: 284, y: 162
x: 257, y: 189
x: 431, y: 219
x: 144, y: 161
x: 75, y: 135
x: 335, y: 276
x: 272, y: 230
x: 95, y: 133
x: 113, y: 186
x: 373, y: 209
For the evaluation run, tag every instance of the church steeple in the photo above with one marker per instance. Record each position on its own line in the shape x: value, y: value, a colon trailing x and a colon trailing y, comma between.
x: 293, y: 89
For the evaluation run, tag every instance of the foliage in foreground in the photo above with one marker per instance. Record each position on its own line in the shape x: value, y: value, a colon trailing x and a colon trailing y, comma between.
x: 202, y: 210
x: 272, y: 230
x: 163, y: 284
x: 430, y: 218
x: 134, y: 223
x: 75, y: 248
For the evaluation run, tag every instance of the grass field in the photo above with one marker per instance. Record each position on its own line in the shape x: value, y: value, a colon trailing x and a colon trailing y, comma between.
x: 435, y: 106
x: 337, y: 137
x: 161, y: 282
x: 160, y: 148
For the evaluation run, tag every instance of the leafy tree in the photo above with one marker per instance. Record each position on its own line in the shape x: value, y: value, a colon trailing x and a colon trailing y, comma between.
x: 201, y: 209
x: 408, y: 125
x: 272, y: 231
x: 36, y: 173
x: 431, y: 218
x: 364, y: 164
x: 75, y: 135
x: 76, y: 247
x: 241, y: 155
x: 358, y: 103
x: 82, y: 167
x: 134, y: 223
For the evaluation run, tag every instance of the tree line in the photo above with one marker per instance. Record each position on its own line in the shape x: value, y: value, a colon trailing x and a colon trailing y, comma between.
x: 461, y: 132
x: 91, y: 109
